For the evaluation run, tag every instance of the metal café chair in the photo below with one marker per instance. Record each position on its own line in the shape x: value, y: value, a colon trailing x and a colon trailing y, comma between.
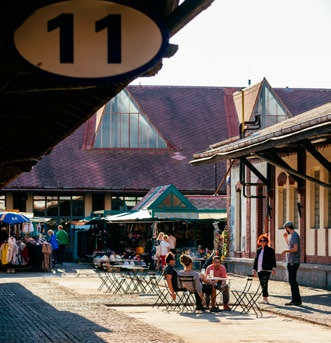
x: 116, y: 282
x: 246, y: 299
x: 222, y: 284
x: 187, y: 299
x: 136, y: 278
x: 103, y: 277
x: 164, y: 298
x: 162, y: 293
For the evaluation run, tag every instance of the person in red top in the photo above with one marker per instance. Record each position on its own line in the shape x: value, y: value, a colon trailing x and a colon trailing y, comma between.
x: 219, y: 271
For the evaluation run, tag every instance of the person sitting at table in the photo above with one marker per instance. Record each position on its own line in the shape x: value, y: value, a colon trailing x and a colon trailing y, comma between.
x: 202, y: 284
x: 201, y: 252
x: 171, y: 274
x: 219, y: 271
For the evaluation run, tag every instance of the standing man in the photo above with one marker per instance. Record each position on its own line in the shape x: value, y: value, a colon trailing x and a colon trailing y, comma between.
x: 293, y: 262
x: 63, y: 240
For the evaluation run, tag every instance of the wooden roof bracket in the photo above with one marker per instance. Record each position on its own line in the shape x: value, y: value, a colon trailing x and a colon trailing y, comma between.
x: 306, y: 144
x: 273, y: 158
x: 244, y: 162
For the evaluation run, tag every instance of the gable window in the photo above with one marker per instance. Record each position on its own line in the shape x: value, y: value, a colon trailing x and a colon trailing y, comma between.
x: 272, y: 110
x: 123, y: 125
x: 171, y: 201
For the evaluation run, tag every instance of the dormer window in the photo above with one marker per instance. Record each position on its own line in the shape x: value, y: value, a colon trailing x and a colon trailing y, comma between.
x: 121, y: 124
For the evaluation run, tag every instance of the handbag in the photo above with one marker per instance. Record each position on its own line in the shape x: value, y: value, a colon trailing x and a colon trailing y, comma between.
x: 158, y: 250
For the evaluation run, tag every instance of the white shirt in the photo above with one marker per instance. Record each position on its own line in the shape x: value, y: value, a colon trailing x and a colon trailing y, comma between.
x: 164, y: 247
x: 259, y: 261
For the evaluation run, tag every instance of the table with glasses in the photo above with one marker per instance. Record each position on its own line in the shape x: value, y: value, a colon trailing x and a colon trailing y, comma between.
x: 224, y: 281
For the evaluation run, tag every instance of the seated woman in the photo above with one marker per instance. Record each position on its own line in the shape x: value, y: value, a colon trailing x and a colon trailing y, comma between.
x: 202, y: 284
x: 171, y: 275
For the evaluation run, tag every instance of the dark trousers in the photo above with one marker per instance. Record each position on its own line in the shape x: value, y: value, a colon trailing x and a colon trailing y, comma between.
x: 264, y: 278
x: 292, y: 269
x: 205, y: 289
x: 226, y: 294
x: 55, y: 256
x: 61, y: 253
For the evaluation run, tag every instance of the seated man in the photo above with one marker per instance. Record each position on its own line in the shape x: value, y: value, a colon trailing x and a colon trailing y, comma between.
x: 201, y: 252
x: 219, y: 271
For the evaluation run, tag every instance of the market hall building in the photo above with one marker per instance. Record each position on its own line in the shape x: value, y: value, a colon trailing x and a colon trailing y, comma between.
x: 101, y: 167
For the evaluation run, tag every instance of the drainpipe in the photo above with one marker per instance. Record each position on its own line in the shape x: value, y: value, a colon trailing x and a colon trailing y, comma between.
x: 253, y: 125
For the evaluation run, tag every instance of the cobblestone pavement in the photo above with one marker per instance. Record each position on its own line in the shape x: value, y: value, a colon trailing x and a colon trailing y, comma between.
x: 65, y: 306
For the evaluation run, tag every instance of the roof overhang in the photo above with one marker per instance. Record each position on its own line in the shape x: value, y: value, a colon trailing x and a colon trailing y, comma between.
x: 304, y: 133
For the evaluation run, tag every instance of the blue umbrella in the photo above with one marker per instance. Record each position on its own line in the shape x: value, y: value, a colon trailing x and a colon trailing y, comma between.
x: 13, y: 218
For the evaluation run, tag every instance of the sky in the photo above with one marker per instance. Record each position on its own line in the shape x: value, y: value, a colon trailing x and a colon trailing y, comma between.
x: 286, y: 41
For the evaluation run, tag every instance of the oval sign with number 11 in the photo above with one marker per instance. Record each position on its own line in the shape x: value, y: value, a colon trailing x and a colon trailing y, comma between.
x: 91, y: 39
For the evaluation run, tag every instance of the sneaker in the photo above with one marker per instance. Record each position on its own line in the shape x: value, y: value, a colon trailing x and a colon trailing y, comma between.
x: 292, y: 303
x: 226, y: 308
x: 265, y: 302
x: 215, y: 309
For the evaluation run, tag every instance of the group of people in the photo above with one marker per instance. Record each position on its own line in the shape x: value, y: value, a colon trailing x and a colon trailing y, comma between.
x: 205, y: 287
x: 265, y: 263
x: 164, y: 243
x: 58, y: 242
x: 264, y: 266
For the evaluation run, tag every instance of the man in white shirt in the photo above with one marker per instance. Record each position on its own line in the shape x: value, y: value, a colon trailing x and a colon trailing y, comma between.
x: 172, y: 242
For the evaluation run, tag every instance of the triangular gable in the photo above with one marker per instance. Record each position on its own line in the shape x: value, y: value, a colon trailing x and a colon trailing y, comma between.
x: 121, y: 123
x: 164, y: 198
x: 260, y: 99
x: 250, y: 95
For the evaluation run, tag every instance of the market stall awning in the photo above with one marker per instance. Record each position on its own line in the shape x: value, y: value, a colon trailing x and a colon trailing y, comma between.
x: 130, y: 216
x: 166, y: 203
x: 176, y: 215
x: 213, y: 216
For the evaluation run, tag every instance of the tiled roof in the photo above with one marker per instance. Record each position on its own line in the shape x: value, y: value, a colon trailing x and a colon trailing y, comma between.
x: 210, y: 202
x: 189, y: 118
